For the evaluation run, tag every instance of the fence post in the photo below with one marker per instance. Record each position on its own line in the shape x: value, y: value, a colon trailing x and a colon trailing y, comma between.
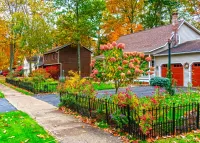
x: 173, y: 118
x: 89, y: 108
x: 129, y: 120
x: 197, y: 119
x: 107, y: 111
x: 76, y: 103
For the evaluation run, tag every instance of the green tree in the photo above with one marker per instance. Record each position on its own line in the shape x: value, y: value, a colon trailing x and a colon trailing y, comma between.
x: 78, y: 21
x: 36, y: 29
x: 158, y: 12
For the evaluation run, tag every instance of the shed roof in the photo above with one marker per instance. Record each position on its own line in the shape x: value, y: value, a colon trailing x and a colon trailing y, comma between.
x: 61, y: 47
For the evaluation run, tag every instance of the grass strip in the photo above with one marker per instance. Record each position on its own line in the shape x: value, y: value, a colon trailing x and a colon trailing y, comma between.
x: 1, y: 95
x: 23, y: 91
x: 18, y: 127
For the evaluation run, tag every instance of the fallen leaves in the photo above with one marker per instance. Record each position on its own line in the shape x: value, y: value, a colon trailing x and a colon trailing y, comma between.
x: 41, y: 136
x: 92, y: 122
x: 11, y: 137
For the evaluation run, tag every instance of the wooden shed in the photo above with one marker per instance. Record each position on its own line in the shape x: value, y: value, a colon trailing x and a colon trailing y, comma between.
x: 66, y: 58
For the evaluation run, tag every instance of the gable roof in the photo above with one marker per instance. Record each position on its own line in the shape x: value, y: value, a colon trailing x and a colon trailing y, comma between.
x: 187, y: 47
x: 61, y: 47
x: 151, y: 39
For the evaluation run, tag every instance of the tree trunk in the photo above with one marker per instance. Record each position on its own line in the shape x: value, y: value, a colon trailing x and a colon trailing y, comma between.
x: 30, y: 67
x: 116, y: 86
x: 11, y: 56
x: 79, y: 58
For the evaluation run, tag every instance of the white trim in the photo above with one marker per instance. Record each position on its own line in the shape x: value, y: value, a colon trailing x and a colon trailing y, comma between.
x: 181, y: 24
x: 190, y: 70
x: 58, y: 56
x: 177, y: 53
x: 149, y: 76
x: 159, y: 71
x: 51, y: 64
x: 190, y: 74
x: 195, y: 29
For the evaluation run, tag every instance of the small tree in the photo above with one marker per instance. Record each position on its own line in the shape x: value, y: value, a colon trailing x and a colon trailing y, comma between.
x: 122, y: 68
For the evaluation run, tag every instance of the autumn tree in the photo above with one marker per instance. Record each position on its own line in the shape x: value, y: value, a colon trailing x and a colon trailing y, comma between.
x: 122, y: 18
x: 8, y: 10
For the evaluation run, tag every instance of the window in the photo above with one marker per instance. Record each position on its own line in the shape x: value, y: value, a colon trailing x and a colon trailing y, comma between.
x: 54, y: 56
x: 197, y: 65
x: 152, y: 63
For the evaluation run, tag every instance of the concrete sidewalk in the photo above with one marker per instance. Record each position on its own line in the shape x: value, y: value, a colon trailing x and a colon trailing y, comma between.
x: 65, y: 128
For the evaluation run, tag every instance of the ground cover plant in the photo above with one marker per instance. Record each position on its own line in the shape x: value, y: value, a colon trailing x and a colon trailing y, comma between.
x: 1, y: 95
x: 17, y: 126
x: 103, y: 86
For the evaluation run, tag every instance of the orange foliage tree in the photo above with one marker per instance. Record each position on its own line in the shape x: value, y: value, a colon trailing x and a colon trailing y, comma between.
x: 4, y: 46
x: 121, y: 18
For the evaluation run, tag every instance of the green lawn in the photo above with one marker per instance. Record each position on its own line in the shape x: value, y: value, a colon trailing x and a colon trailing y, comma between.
x: 103, y: 86
x: 189, y: 138
x: 18, y: 127
x: 1, y: 95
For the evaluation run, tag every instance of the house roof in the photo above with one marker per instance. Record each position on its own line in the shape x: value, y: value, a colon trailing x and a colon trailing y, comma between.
x: 61, y: 47
x: 187, y: 47
x: 147, y: 40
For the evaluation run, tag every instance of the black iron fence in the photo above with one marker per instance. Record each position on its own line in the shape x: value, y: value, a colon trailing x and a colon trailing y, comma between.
x: 43, y: 87
x: 141, y: 124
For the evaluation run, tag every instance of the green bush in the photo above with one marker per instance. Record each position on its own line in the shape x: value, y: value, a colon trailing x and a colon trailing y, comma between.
x: 160, y: 81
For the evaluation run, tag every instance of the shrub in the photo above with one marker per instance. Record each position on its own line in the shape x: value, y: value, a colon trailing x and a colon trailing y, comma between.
x: 39, y: 75
x: 162, y: 82
x: 120, y: 67
x: 77, y: 85
x: 53, y: 71
x: 159, y: 81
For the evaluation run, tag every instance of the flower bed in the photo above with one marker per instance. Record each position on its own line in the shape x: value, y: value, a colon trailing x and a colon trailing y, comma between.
x: 141, y: 117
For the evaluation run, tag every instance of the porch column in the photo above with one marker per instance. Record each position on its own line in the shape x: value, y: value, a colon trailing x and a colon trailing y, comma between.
x: 149, y: 75
x: 190, y: 73
x: 159, y: 71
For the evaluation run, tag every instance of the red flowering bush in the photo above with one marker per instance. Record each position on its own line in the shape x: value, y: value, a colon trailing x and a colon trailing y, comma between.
x: 39, y: 75
x: 141, y: 107
x: 118, y: 66
x: 18, y: 71
x: 53, y: 71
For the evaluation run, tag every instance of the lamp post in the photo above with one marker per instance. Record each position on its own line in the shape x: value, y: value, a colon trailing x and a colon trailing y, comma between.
x: 169, y: 73
x: 62, y: 82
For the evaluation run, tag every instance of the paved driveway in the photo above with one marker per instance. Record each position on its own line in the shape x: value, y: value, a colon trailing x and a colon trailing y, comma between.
x: 140, y: 91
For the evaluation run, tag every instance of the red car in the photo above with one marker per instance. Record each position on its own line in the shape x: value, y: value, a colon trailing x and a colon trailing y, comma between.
x: 5, y: 73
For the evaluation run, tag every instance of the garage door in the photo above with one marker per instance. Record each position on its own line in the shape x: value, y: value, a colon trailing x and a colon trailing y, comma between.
x: 196, y: 74
x: 177, y: 73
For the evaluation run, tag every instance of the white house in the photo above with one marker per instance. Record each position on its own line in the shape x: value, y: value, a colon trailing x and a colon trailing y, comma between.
x: 185, y: 50
x: 36, y: 61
